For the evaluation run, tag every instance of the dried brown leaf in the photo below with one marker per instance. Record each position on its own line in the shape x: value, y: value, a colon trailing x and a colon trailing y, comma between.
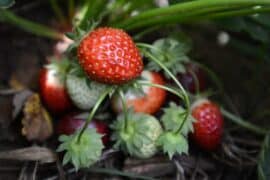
x: 19, y: 101
x: 37, y: 123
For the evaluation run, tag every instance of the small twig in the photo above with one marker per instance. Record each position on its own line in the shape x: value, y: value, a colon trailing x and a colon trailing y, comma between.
x: 193, y: 176
x: 34, y: 175
x: 180, y: 169
x: 60, y: 169
x: 23, y: 170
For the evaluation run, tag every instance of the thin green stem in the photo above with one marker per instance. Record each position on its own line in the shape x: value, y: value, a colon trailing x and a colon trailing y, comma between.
x: 29, y: 26
x: 236, y: 13
x: 124, y: 105
x: 95, y: 108
x: 176, y: 18
x: 244, y: 124
x: 171, y: 90
x: 58, y: 12
x: 185, y: 96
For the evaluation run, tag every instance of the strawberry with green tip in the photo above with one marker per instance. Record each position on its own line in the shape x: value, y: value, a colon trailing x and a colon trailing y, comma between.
x: 208, y: 128
x: 52, y: 86
x: 110, y: 56
x: 83, y: 92
x: 148, y: 101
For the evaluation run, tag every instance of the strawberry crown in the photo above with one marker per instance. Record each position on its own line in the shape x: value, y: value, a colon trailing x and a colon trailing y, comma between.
x: 174, y: 116
x: 172, y: 143
x: 81, y: 152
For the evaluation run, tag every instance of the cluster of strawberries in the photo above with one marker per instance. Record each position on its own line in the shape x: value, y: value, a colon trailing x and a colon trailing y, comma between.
x: 108, y: 57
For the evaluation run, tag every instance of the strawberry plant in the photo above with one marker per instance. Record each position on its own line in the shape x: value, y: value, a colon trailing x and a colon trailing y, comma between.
x: 133, y: 68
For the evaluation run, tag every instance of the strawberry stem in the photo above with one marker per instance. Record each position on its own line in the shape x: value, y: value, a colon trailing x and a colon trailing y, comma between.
x: 171, y: 90
x: 124, y: 104
x: 243, y: 123
x: 185, y: 96
x: 95, y: 108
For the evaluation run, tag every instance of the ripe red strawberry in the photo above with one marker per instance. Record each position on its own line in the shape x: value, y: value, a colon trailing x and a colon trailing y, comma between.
x: 208, y: 127
x: 109, y: 55
x: 52, y: 87
x: 149, y: 101
x: 71, y: 122
x: 188, y: 80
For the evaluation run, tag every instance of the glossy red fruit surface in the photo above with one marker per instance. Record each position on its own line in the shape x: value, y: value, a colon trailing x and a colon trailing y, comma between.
x: 53, y: 91
x: 109, y: 55
x: 71, y: 122
x: 150, y: 101
x: 208, y: 127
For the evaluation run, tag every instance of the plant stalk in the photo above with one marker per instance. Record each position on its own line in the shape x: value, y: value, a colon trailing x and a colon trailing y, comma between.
x: 185, y: 96
x: 29, y: 26
x: 95, y: 108
x: 124, y: 104
x: 244, y: 124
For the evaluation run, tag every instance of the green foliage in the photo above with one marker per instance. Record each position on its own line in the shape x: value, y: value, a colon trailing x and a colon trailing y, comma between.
x: 139, y: 137
x: 257, y: 27
x: 172, y: 53
x: 6, y: 3
x: 173, y: 143
x: 84, y: 152
x: 264, y: 160
x: 174, y: 116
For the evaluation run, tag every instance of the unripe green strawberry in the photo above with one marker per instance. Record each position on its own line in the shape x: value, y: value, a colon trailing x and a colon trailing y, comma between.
x: 83, y: 92
x: 139, y: 138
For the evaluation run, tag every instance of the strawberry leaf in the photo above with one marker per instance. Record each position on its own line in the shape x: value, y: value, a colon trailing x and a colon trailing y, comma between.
x: 172, y: 143
x: 174, y: 116
x: 84, y: 152
x: 172, y: 53
x: 264, y: 160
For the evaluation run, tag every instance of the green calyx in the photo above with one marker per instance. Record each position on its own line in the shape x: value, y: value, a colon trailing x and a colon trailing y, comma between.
x: 84, y: 152
x: 60, y: 67
x: 173, y: 118
x: 171, y: 53
x: 173, y: 143
x: 139, y: 137
x: 79, y: 33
